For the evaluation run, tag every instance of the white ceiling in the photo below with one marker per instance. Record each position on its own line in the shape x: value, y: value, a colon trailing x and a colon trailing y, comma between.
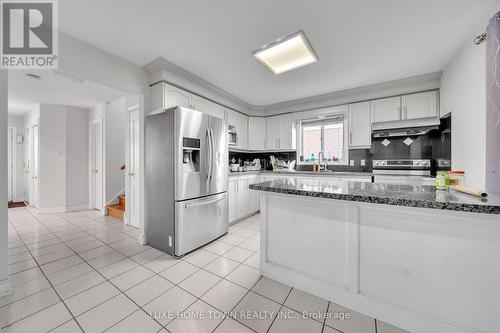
x: 25, y: 93
x: 358, y: 42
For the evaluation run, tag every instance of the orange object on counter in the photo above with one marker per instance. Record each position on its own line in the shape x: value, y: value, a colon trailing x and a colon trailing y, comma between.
x: 314, y: 167
x: 456, y: 178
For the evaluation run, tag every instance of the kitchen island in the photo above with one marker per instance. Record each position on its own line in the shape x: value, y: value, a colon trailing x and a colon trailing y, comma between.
x: 420, y: 259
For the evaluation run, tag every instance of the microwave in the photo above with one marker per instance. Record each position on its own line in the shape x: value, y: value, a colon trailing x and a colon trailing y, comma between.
x: 232, y: 137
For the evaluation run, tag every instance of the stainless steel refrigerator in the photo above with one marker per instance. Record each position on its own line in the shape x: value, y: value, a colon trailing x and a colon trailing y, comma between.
x: 186, y: 180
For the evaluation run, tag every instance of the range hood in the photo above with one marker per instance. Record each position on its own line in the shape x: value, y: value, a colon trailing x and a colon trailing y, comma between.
x: 408, y: 127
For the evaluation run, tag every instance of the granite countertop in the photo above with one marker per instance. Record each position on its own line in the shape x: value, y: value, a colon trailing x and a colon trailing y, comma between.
x: 424, y: 196
x: 306, y: 173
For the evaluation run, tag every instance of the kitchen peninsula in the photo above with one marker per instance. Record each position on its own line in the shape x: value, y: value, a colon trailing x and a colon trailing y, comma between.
x: 417, y: 258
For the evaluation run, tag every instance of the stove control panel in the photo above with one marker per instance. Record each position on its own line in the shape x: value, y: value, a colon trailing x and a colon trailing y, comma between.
x: 402, y: 164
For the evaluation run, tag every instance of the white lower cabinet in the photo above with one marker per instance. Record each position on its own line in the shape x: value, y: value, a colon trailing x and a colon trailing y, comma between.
x: 232, y: 192
x: 242, y: 200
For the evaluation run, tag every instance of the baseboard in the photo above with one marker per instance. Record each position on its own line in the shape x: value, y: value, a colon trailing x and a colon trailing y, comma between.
x: 5, y: 288
x: 243, y: 218
x: 58, y: 210
x: 141, y: 239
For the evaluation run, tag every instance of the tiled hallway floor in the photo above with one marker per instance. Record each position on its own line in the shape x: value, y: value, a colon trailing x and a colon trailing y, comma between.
x: 83, y: 272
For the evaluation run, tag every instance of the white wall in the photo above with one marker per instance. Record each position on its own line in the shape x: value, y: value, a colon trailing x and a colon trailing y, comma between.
x: 64, y: 166
x: 77, y: 157
x: 463, y: 93
x: 96, y: 65
x: 4, y: 282
x: 115, y: 125
x: 18, y: 148
x: 52, y: 171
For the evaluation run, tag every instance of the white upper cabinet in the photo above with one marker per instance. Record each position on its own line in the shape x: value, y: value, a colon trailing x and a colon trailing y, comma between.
x: 273, y: 132
x: 219, y: 111
x: 420, y: 105
x: 239, y: 122
x: 164, y: 96
x: 285, y: 134
x: 386, y: 109
x: 256, y: 133
x: 201, y: 104
x: 359, y: 125
x: 279, y: 132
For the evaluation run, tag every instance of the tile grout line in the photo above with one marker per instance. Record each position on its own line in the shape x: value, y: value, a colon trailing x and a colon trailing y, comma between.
x: 143, y: 265
x: 155, y: 274
x: 54, y: 289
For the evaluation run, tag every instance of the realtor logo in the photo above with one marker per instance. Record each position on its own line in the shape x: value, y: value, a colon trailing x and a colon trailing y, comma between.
x: 29, y: 34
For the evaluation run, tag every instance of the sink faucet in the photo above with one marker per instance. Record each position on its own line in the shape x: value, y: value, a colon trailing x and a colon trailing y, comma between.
x: 321, y: 160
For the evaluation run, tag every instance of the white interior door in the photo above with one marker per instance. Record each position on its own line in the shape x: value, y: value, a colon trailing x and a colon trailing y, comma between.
x: 134, y: 170
x: 35, y: 155
x: 96, y: 175
x: 10, y: 187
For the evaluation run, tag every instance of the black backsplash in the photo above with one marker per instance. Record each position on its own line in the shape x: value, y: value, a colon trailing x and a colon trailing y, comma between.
x: 263, y: 156
x: 435, y: 144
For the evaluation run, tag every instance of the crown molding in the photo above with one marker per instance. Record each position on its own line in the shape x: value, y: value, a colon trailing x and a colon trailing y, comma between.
x: 423, y: 82
x: 163, y: 70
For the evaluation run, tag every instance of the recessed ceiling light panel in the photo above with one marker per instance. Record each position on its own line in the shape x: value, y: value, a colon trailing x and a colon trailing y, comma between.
x: 286, y: 54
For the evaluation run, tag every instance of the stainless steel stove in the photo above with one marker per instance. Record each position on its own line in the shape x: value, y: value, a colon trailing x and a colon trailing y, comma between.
x: 413, y: 172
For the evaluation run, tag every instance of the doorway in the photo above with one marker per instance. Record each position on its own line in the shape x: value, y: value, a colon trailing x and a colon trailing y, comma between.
x: 133, y: 203
x: 34, y: 170
x: 96, y: 165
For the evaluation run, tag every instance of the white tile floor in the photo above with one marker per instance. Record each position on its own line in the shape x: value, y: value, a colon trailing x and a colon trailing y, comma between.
x: 83, y: 272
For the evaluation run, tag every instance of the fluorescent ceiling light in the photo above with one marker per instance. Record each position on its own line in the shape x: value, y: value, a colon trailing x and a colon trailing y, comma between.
x: 286, y: 54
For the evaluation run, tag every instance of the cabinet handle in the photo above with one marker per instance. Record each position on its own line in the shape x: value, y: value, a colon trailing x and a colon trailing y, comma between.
x: 350, y: 137
x: 400, y: 112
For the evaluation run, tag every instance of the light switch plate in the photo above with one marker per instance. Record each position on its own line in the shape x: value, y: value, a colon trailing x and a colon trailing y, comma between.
x: 351, y: 162
x: 362, y: 162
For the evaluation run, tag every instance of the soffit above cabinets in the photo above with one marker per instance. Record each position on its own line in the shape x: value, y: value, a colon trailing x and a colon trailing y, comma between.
x: 359, y: 42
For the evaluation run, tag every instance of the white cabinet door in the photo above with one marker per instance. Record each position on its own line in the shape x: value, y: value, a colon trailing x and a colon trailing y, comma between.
x: 176, y: 97
x: 273, y: 128
x: 285, y: 132
x: 240, y: 124
x: 256, y: 133
x: 243, y: 202
x: 420, y: 105
x: 232, y: 191
x: 254, y: 195
x: 386, y: 109
x: 219, y: 111
x: 201, y: 104
x: 157, y: 97
x: 359, y: 125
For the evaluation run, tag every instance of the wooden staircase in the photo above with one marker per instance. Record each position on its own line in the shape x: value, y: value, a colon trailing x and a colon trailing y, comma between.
x: 117, y: 211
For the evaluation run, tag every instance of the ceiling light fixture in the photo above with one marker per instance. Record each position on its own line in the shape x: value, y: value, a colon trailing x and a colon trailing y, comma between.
x: 287, y: 53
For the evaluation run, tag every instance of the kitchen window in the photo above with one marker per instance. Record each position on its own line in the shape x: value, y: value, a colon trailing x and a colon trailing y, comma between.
x: 326, y: 135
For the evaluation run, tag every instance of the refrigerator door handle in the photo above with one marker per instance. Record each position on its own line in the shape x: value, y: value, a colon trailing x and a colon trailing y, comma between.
x: 212, y: 153
x: 204, y: 203
x: 209, y: 141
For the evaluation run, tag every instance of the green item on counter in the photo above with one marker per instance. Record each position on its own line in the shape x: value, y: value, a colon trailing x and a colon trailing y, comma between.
x: 442, y: 180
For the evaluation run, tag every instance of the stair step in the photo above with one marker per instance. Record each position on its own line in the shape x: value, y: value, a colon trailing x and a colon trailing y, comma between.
x: 116, y: 211
x: 121, y: 200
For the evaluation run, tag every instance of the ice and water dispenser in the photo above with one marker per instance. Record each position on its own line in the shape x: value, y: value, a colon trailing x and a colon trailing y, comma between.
x: 190, y: 155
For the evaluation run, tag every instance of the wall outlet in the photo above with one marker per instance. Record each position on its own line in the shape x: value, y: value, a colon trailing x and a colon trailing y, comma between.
x: 351, y: 162
x: 363, y: 162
